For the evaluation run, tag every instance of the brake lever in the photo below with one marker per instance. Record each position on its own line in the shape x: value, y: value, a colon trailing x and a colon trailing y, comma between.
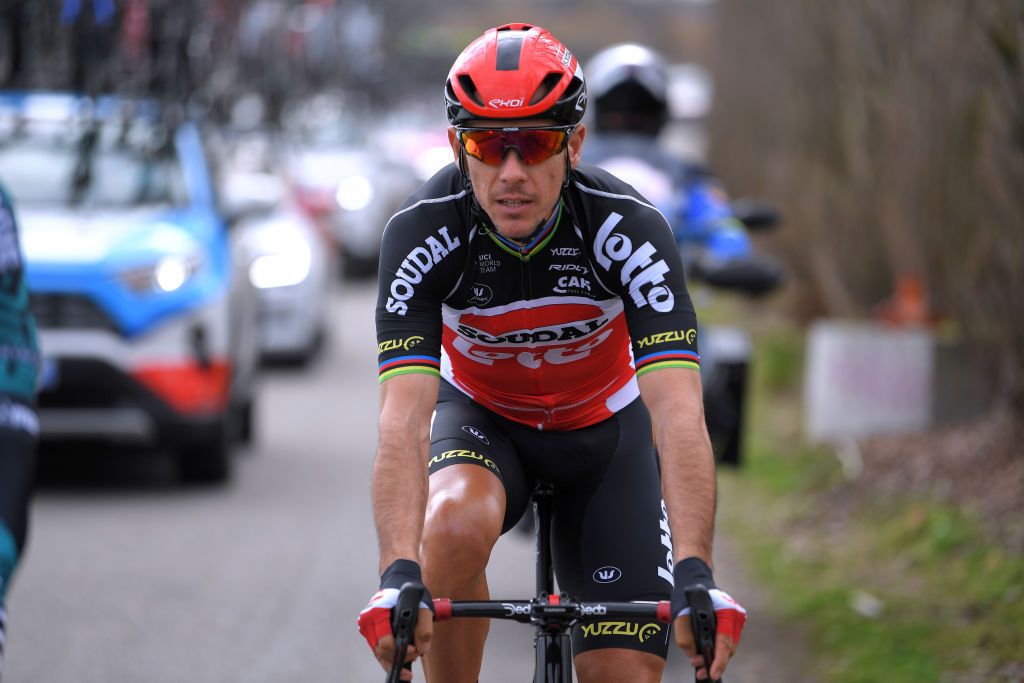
x: 703, y: 624
x: 403, y: 626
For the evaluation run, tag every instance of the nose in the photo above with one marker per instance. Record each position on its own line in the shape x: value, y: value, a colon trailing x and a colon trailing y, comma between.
x: 512, y: 165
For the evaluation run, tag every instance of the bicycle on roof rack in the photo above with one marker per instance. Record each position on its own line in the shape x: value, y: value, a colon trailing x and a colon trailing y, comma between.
x: 552, y: 614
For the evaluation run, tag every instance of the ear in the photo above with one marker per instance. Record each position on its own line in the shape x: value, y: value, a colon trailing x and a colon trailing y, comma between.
x: 576, y: 144
x: 453, y: 140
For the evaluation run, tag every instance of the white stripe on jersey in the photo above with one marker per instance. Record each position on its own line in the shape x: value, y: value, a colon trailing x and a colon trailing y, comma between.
x: 612, y: 195
x: 430, y: 200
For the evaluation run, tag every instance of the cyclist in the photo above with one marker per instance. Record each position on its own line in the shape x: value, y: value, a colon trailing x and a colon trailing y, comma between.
x: 533, y: 324
x: 19, y: 362
x: 628, y: 86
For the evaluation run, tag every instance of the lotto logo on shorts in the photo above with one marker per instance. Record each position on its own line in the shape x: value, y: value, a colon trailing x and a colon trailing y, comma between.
x: 471, y: 455
x: 642, y: 632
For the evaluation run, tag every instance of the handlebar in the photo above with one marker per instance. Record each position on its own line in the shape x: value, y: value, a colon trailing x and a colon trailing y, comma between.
x: 555, y: 612
x: 549, y: 609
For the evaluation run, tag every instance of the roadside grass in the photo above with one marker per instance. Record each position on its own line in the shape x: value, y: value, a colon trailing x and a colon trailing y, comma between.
x: 896, y: 588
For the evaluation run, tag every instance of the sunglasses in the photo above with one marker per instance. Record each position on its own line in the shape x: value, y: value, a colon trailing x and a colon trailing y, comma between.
x: 533, y: 144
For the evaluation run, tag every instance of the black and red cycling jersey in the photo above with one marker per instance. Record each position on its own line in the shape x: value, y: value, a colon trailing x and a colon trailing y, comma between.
x: 550, y: 334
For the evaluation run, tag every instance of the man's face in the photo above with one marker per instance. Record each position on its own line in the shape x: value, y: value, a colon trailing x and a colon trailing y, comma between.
x: 517, y: 196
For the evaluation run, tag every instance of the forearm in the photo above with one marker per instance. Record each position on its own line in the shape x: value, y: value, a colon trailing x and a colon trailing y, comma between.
x: 399, y: 491
x: 688, y: 487
x: 399, y: 480
x: 674, y: 399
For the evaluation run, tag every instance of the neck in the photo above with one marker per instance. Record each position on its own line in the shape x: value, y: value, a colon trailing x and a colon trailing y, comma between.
x: 540, y: 227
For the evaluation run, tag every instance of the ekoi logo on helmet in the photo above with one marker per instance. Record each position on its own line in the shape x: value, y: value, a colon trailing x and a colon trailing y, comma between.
x: 500, y: 103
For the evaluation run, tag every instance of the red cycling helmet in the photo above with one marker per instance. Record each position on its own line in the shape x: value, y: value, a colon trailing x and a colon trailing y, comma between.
x: 516, y: 71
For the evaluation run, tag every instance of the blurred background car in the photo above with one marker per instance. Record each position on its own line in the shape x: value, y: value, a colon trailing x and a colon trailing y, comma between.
x: 293, y: 261
x: 141, y: 291
x: 341, y: 178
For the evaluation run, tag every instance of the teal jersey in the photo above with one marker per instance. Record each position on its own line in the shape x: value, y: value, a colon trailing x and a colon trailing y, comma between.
x: 19, y: 351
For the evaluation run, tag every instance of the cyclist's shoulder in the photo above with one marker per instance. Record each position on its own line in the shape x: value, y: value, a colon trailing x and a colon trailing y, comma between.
x: 598, y: 193
x: 441, y: 202
x: 442, y: 191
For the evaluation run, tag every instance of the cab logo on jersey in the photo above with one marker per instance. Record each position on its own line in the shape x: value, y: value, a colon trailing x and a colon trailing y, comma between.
x: 540, y: 335
x: 689, y: 336
x: 467, y: 455
x: 405, y: 344
x: 644, y: 277
x: 572, y: 284
x: 480, y: 295
x: 607, y: 574
x: 416, y: 264
x: 642, y: 632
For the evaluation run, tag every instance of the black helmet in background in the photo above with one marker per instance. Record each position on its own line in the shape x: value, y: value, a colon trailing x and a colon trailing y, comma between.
x: 628, y: 87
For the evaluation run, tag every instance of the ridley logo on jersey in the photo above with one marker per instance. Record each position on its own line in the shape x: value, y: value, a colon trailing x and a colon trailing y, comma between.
x: 570, y: 267
x: 416, y: 264
x: 639, y: 269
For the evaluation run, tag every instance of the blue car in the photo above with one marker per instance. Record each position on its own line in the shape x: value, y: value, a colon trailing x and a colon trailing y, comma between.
x: 145, y: 311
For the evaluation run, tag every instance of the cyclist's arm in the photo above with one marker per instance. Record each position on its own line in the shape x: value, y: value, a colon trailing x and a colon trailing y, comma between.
x: 673, y: 397
x: 399, y: 482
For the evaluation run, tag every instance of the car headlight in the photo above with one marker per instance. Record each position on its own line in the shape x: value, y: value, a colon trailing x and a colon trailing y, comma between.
x: 283, y: 268
x: 354, y: 193
x: 167, y: 274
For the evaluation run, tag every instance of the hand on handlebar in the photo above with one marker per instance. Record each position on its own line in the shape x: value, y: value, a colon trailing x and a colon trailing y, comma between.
x: 701, y: 610
x: 377, y: 618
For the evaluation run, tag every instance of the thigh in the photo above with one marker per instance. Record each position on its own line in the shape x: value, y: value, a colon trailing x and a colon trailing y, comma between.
x: 612, y: 539
x: 464, y: 433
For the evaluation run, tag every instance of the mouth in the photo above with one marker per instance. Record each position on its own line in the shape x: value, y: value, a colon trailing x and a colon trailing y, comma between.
x: 514, y: 203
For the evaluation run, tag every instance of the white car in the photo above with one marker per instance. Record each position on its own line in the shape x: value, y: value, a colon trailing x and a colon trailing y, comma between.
x: 293, y: 262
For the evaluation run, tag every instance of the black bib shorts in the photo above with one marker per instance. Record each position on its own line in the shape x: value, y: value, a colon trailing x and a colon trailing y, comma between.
x: 610, y: 534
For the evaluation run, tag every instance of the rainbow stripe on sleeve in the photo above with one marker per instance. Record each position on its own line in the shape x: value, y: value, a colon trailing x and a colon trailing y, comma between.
x: 667, y: 359
x: 405, y: 365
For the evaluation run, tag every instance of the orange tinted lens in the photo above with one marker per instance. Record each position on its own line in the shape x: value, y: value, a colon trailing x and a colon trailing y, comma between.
x: 533, y: 146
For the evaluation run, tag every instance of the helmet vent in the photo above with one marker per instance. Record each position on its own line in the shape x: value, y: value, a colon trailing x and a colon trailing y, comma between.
x: 545, y: 87
x: 510, y: 47
x: 469, y: 87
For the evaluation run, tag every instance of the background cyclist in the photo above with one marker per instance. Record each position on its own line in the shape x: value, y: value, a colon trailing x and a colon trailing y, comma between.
x: 629, y: 92
x: 19, y: 364
x: 533, y: 323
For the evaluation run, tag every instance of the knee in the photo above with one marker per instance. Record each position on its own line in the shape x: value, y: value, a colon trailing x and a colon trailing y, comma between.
x: 618, y: 664
x: 460, y: 529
